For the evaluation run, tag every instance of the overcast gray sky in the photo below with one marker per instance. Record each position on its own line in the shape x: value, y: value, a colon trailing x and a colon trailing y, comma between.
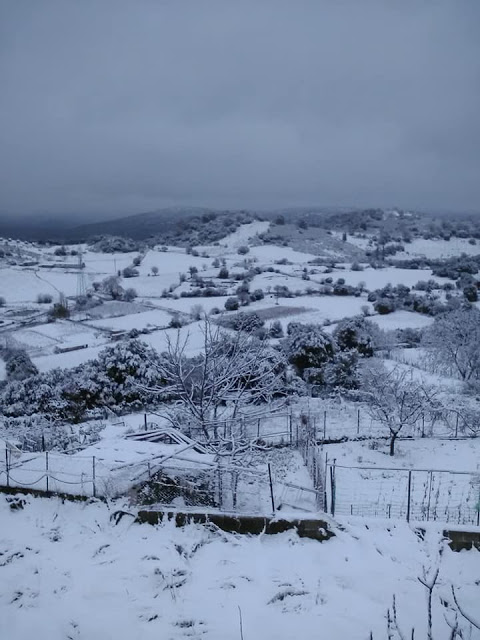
x: 116, y: 106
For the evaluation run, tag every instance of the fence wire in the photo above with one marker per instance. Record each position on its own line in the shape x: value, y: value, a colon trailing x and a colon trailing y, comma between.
x: 224, y: 488
x: 418, y: 495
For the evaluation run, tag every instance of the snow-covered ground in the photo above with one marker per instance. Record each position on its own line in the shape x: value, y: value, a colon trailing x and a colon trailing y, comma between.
x: 438, y: 248
x: 402, y: 320
x: 379, y: 278
x: 238, y: 238
x: 147, y: 319
x: 68, y: 571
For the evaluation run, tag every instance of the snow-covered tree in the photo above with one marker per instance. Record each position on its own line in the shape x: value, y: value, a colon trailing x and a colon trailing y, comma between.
x: 395, y: 399
x: 308, y: 347
x: 111, y: 287
x: 357, y: 333
x: 453, y: 342
x: 18, y: 365
x: 231, y: 371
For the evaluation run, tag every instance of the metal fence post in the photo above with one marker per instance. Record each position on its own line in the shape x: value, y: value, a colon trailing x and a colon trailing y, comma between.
x: 409, y: 495
x: 7, y: 469
x: 46, y: 469
x: 325, y: 497
x: 358, y: 422
x: 333, y: 488
x: 94, y: 477
x: 478, y: 509
x: 271, y: 487
x: 430, y: 481
x: 324, y: 425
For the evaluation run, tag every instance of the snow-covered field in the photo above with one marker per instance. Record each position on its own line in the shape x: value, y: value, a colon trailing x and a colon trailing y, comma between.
x: 71, y: 572
x: 68, y: 571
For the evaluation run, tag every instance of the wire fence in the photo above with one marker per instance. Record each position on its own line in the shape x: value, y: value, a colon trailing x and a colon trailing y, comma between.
x: 176, y: 481
x: 407, y: 494
x: 347, y: 421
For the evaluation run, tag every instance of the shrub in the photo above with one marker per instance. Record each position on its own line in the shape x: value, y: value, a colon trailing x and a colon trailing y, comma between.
x: 196, y: 311
x: 223, y: 273
x: 175, y: 322
x: 257, y: 295
x: 130, y: 272
x: 58, y: 311
x: 130, y: 294
x: 308, y: 347
x: 18, y: 365
x: 3, y: 302
x: 232, y: 304
x: 276, y: 329
x: 44, y: 298
x: 356, y: 266
x: 471, y: 293
x: 137, y: 261
x: 357, y: 334
x: 243, y: 250
x: 384, y: 306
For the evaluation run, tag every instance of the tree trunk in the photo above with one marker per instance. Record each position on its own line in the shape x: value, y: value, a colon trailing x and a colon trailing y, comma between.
x: 393, y: 437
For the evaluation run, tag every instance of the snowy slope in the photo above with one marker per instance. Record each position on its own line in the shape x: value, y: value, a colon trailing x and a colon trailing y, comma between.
x: 69, y: 572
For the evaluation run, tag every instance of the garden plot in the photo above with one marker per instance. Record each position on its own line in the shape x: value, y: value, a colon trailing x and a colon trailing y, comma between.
x: 379, y: 278
x: 369, y: 482
x: 66, y: 360
x: 402, y: 320
x: 320, y: 309
x: 114, y: 309
x: 192, y: 333
x: 101, y: 265
x: 268, y: 281
x: 184, y: 305
x: 268, y: 254
x: 46, y: 337
x: 417, y: 495
x: 153, y: 319
x: 22, y: 286
x: 420, y: 247
x: 171, y: 263
x: 104, y: 470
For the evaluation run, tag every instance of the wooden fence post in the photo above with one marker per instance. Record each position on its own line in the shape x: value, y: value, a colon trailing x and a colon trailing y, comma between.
x: 324, y: 425
x: 46, y: 469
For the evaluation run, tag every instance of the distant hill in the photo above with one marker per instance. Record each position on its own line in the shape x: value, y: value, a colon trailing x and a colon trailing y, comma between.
x: 140, y: 226
x: 175, y: 225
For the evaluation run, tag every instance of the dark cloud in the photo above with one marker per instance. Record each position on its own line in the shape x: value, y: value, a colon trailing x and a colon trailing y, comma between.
x: 126, y: 106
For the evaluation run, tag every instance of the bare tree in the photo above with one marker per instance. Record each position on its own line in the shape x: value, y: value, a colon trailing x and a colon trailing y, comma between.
x: 395, y: 399
x: 429, y: 582
x: 453, y: 343
x: 233, y: 370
